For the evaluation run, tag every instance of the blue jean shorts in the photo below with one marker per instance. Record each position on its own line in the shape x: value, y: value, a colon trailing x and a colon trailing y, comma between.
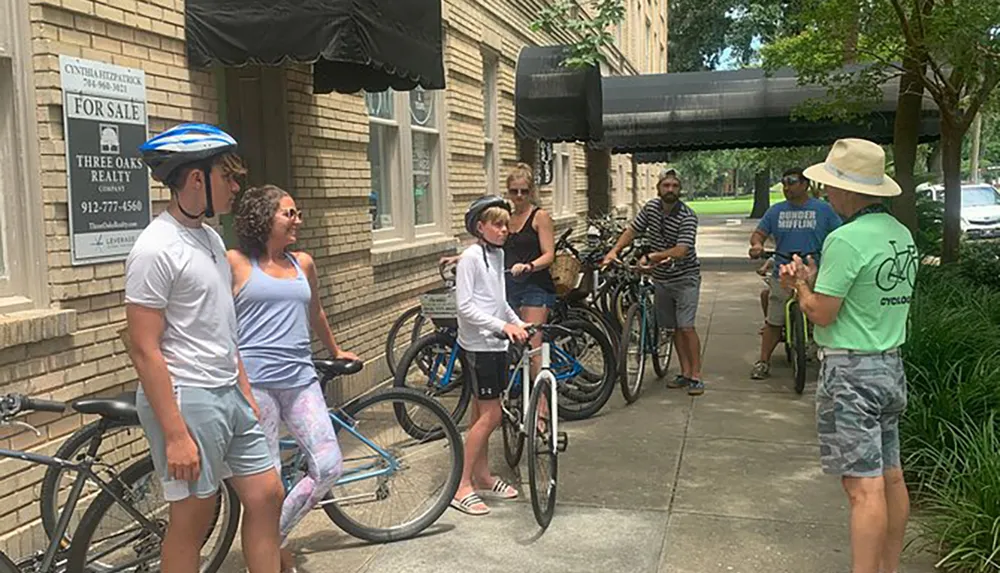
x: 529, y: 294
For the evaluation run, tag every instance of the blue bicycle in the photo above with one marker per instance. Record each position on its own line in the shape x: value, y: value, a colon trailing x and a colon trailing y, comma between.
x: 393, y: 486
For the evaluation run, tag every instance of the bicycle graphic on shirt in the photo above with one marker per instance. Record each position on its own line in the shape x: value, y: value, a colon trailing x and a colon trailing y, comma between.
x: 901, y: 267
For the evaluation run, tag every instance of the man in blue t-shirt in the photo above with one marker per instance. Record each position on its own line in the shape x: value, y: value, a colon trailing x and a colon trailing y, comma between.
x: 799, y: 226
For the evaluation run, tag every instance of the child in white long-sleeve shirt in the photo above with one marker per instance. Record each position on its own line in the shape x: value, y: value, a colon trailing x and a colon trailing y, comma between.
x: 483, y: 313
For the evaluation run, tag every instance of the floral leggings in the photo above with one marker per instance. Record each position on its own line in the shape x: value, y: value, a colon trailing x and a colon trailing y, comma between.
x: 304, y: 412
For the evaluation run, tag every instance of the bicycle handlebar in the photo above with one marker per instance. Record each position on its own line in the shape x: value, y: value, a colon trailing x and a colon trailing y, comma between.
x: 13, y: 404
x: 533, y: 329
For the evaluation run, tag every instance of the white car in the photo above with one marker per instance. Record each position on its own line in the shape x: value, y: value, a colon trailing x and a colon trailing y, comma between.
x: 980, y: 208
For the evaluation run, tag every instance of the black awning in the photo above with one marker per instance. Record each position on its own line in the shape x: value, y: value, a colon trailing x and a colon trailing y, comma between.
x: 555, y: 103
x: 354, y: 44
x: 732, y: 109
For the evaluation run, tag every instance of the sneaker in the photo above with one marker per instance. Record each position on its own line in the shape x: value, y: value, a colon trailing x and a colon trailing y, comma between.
x: 679, y: 382
x: 696, y: 387
x: 761, y: 370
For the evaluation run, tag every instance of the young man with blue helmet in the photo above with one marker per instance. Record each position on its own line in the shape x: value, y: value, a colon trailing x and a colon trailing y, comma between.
x: 194, y: 400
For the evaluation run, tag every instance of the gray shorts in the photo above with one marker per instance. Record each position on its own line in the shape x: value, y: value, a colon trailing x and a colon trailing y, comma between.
x: 776, y: 299
x: 229, y: 438
x: 677, y: 301
x: 859, y: 400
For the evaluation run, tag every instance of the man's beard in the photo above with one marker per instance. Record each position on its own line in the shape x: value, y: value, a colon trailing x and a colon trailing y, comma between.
x: 669, y: 197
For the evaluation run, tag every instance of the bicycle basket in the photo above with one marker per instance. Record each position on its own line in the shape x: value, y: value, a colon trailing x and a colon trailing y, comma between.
x: 565, y: 271
x: 441, y: 306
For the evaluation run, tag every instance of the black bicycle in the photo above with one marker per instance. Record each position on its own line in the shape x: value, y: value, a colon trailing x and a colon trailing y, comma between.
x: 131, y: 542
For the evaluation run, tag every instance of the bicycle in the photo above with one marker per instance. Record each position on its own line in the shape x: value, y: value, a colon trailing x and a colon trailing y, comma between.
x: 795, y: 333
x: 125, y: 491
x: 526, y: 419
x: 901, y: 267
x: 641, y: 335
x: 375, y: 463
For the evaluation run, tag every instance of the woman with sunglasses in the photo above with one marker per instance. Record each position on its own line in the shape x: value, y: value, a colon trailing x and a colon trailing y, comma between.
x: 277, y: 301
x: 529, y: 251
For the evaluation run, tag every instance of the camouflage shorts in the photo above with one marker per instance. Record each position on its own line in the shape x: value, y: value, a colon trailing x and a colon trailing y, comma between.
x: 859, y: 400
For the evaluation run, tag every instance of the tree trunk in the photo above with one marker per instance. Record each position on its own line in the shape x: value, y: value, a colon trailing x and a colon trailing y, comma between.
x: 977, y: 130
x: 951, y: 163
x: 761, y: 194
x: 904, y: 143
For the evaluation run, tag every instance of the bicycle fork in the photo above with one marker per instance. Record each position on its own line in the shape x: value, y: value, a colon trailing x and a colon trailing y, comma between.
x: 562, y: 440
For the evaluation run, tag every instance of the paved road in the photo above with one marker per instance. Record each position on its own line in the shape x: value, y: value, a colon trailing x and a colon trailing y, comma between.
x: 727, y: 482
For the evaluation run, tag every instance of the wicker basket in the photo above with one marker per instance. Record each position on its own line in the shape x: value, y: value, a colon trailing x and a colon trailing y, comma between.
x: 565, y: 271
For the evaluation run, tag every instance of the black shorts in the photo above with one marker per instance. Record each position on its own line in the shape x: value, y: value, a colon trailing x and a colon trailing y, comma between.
x: 489, y: 371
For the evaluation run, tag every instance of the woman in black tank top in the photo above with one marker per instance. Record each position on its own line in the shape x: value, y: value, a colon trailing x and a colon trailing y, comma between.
x: 529, y: 251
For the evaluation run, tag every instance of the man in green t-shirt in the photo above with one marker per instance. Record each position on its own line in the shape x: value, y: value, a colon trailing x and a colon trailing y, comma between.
x: 859, y: 302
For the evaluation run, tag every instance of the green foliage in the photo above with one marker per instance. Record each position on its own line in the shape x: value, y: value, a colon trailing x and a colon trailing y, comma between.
x: 590, y: 33
x: 949, y: 434
x: 980, y: 264
x: 930, y: 226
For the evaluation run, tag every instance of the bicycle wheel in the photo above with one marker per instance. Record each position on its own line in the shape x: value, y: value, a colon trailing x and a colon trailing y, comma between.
x: 585, y: 369
x: 632, y: 357
x: 513, y: 438
x: 109, y: 538
x: 427, y: 367
x: 421, y: 476
x: 405, y: 331
x: 663, y: 349
x: 599, y: 320
x: 543, y: 463
x: 798, y: 347
x: 57, y: 481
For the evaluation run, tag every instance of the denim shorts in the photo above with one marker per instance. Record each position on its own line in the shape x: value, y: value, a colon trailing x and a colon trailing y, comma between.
x: 529, y: 294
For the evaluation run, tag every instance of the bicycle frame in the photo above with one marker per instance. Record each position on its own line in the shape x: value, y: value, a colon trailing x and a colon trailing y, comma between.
x: 523, y: 372
x: 289, y: 471
x: 84, y: 474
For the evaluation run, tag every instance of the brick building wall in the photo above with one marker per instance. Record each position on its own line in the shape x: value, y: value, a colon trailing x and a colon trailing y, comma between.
x: 69, y: 348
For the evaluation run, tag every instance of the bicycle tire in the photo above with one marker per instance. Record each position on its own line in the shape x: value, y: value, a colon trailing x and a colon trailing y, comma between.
x: 75, y: 445
x: 633, y: 342
x: 587, y: 313
x: 6, y: 565
x: 447, y: 493
x: 129, y: 477
x: 799, y: 348
x: 460, y: 385
x: 662, y: 363
x: 513, y: 438
x: 392, y: 356
x: 593, y: 401
x: 543, y: 495
x: 885, y: 281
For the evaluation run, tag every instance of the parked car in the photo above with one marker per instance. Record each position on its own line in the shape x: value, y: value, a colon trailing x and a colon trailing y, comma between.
x: 980, y: 208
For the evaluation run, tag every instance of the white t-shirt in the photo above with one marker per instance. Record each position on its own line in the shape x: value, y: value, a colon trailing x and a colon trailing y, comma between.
x: 170, y: 268
x: 482, y: 300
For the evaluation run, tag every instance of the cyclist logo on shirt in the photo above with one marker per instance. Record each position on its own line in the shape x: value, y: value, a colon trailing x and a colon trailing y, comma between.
x: 898, y: 269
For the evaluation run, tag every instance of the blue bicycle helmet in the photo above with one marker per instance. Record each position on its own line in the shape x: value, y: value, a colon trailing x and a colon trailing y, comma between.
x: 182, y: 145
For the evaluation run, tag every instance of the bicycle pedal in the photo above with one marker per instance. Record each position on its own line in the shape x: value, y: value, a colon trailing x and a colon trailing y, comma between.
x: 562, y: 441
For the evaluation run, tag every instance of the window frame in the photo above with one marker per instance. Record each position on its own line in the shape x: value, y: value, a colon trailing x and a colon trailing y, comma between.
x: 404, y: 229
x: 491, y: 121
x: 24, y: 284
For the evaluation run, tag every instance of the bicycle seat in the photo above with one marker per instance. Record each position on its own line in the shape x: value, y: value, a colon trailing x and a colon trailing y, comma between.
x: 121, y: 408
x: 339, y: 367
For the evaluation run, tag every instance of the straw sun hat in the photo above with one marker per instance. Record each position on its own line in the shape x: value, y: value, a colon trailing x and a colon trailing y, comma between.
x: 855, y: 165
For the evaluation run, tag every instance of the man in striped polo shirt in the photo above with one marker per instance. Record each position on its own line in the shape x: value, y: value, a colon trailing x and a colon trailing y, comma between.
x: 669, y: 228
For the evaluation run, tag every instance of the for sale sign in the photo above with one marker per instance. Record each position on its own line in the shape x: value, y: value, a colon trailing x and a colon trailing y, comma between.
x: 104, y: 115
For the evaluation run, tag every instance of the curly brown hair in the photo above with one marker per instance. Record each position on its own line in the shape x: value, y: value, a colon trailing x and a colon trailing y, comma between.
x: 255, y: 217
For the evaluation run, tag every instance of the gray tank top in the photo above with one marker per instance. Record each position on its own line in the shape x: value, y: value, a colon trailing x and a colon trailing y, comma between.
x: 272, y: 317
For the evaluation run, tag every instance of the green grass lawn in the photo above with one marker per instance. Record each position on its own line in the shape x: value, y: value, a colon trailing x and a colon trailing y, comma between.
x: 729, y: 205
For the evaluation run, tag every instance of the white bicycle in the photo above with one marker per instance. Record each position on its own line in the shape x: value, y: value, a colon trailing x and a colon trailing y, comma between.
x: 532, y: 418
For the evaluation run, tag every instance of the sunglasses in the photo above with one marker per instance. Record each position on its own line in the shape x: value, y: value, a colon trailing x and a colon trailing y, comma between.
x: 292, y: 213
x: 790, y: 180
x: 518, y: 191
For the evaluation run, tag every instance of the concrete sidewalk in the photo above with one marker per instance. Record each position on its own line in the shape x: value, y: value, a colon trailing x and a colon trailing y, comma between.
x: 726, y: 482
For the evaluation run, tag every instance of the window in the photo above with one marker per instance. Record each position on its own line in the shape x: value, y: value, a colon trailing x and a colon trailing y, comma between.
x: 491, y: 66
x: 404, y: 152
x: 562, y: 179
x: 22, y: 253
